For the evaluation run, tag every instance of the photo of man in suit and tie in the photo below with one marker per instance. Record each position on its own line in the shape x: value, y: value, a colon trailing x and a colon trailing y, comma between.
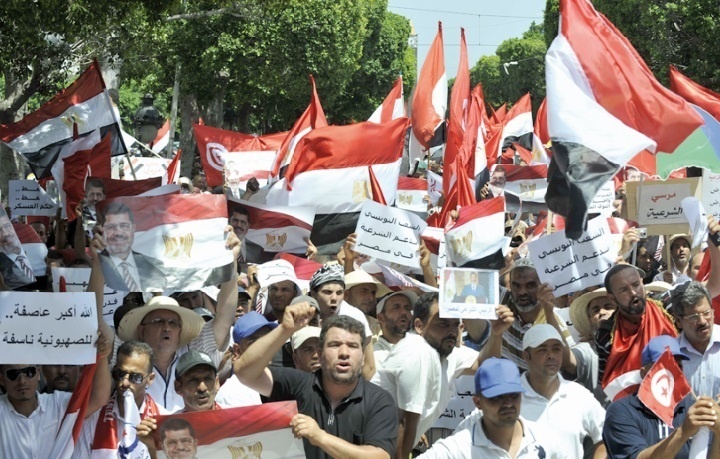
x: 474, y: 290
x: 124, y: 269
x: 15, y: 266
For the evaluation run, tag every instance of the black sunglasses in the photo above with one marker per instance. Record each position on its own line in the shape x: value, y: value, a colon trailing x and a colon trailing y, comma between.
x: 14, y: 374
x: 135, y: 378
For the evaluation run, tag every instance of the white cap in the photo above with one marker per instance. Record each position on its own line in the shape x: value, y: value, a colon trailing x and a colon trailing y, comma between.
x: 540, y: 333
x: 304, y: 334
x: 410, y: 295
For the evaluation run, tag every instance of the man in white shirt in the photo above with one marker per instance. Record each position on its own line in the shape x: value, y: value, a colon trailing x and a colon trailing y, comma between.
x: 549, y: 399
x: 420, y: 371
x: 395, y: 313
x: 497, y: 430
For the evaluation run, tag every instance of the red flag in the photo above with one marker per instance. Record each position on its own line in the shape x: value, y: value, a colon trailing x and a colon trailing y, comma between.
x: 459, y: 107
x: 162, y: 138
x: 393, y: 106
x: 312, y: 118
x: 71, y: 424
x: 119, y: 188
x: 541, y: 129
x: 430, y: 101
x: 214, y: 143
x: 663, y: 387
x: 694, y: 93
x: 498, y: 116
x: 172, y: 174
x: 377, y: 193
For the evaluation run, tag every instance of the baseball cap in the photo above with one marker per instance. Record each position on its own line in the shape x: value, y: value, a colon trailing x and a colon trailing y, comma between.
x: 192, y: 359
x: 304, y: 334
x: 540, y: 333
x: 656, y: 346
x: 248, y: 324
x: 411, y: 296
x: 303, y: 298
x: 206, y: 314
x: 497, y: 377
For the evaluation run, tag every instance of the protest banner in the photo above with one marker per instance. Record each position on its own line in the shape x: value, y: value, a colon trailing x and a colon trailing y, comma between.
x: 570, y: 265
x: 711, y: 193
x: 46, y: 328
x: 411, y: 193
x: 170, y: 242
x: 468, y: 293
x: 655, y: 204
x: 144, y: 168
x: 76, y: 280
x: 259, y: 431
x: 389, y: 234
x: 460, y: 404
x: 434, y: 187
x: 27, y: 197
x: 696, y: 216
x: 603, y: 202
x: 275, y: 228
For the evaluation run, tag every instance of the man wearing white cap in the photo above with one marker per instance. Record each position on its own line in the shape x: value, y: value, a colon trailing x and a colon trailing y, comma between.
x: 498, y: 429
x: 551, y: 400
x: 171, y: 330
x: 395, y: 313
x: 306, y: 349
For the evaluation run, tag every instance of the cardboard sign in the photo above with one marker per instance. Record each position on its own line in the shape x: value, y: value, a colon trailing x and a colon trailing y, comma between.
x: 655, y: 204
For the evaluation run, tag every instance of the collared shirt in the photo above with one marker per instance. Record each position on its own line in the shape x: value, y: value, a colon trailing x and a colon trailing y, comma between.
x: 631, y: 428
x: 33, y: 436
x: 703, y: 370
x: 367, y: 417
x: 419, y: 380
x: 472, y: 443
x: 381, y: 350
x: 513, y: 337
x: 572, y: 411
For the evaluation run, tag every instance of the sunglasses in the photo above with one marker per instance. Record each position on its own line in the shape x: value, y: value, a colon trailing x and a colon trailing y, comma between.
x: 135, y: 378
x: 14, y: 374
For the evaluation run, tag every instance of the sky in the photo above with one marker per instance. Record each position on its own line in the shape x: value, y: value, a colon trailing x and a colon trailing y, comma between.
x: 484, y: 31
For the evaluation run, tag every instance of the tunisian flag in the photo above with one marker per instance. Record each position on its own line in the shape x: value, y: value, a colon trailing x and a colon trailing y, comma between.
x: 214, y: 143
x: 663, y: 387
x: 430, y: 101
x: 244, y: 432
x: 599, y: 120
x: 312, y: 118
x: 79, y: 109
x: 392, y: 107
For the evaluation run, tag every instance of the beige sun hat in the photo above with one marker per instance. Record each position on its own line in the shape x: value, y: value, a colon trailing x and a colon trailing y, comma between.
x: 192, y: 323
x: 658, y: 287
x: 361, y: 277
x: 578, y: 311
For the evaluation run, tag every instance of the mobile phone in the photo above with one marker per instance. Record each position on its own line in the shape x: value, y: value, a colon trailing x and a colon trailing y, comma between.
x: 715, y: 239
x: 641, y: 232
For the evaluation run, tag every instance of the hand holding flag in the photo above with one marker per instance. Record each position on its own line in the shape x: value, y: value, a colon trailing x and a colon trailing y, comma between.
x: 663, y: 387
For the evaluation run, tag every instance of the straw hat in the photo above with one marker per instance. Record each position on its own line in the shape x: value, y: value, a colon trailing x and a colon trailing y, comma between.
x: 578, y: 311
x: 361, y: 277
x: 192, y: 323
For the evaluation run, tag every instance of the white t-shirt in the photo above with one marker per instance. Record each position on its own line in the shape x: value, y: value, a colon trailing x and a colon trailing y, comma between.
x: 34, y: 436
x: 573, y: 412
x: 234, y: 393
x: 471, y: 443
x: 419, y: 380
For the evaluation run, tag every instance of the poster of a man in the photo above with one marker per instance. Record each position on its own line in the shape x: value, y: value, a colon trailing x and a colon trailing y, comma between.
x: 125, y: 269
x: 467, y: 293
x: 15, y: 266
x: 178, y: 439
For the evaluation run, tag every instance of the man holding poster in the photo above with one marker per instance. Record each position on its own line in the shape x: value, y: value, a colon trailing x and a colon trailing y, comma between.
x: 358, y: 418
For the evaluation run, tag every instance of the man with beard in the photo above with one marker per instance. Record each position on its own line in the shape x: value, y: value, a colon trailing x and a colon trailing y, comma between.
x: 496, y: 429
x: 340, y: 414
x: 620, y: 339
x: 60, y: 377
x: 421, y: 369
x: 700, y: 338
x: 132, y: 374
x: 123, y: 268
x: 531, y: 303
x: 395, y: 312
x: 679, y: 262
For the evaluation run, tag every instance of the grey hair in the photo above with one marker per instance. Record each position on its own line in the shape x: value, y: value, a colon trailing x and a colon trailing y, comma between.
x: 688, y: 295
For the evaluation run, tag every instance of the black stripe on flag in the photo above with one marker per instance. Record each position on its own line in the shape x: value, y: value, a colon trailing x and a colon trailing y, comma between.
x: 575, y: 175
x: 525, y: 141
x: 440, y: 136
x: 330, y: 231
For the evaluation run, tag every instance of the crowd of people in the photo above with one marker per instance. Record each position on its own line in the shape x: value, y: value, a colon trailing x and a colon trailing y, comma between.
x: 373, y: 368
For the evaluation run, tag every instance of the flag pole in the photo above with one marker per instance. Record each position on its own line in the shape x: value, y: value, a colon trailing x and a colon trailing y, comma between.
x: 548, y: 226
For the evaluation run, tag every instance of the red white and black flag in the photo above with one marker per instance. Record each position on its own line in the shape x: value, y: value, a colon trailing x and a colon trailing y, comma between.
x: 78, y: 110
x: 393, y: 106
x: 599, y: 120
x: 170, y: 242
x: 431, y: 94
x: 478, y: 233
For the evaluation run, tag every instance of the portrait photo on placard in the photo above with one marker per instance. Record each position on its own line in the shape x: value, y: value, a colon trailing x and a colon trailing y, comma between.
x: 469, y: 293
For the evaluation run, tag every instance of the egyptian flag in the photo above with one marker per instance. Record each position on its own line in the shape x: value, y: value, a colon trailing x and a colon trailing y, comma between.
x: 162, y: 138
x: 178, y: 242
x: 528, y: 184
x: 330, y: 173
x: 599, y: 120
x: 172, y: 173
x: 78, y: 110
x: 480, y: 162
x: 459, y: 107
x: 410, y: 194
x: 277, y: 228
x: 215, y: 143
x: 393, y: 106
x: 541, y: 129
x: 518, y: 129
x: 244, y: 432
x: 71, y: 425
x: 478, y: 233
x: 312, y: 118
x: 431, y: 94
x: 79, y: 159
